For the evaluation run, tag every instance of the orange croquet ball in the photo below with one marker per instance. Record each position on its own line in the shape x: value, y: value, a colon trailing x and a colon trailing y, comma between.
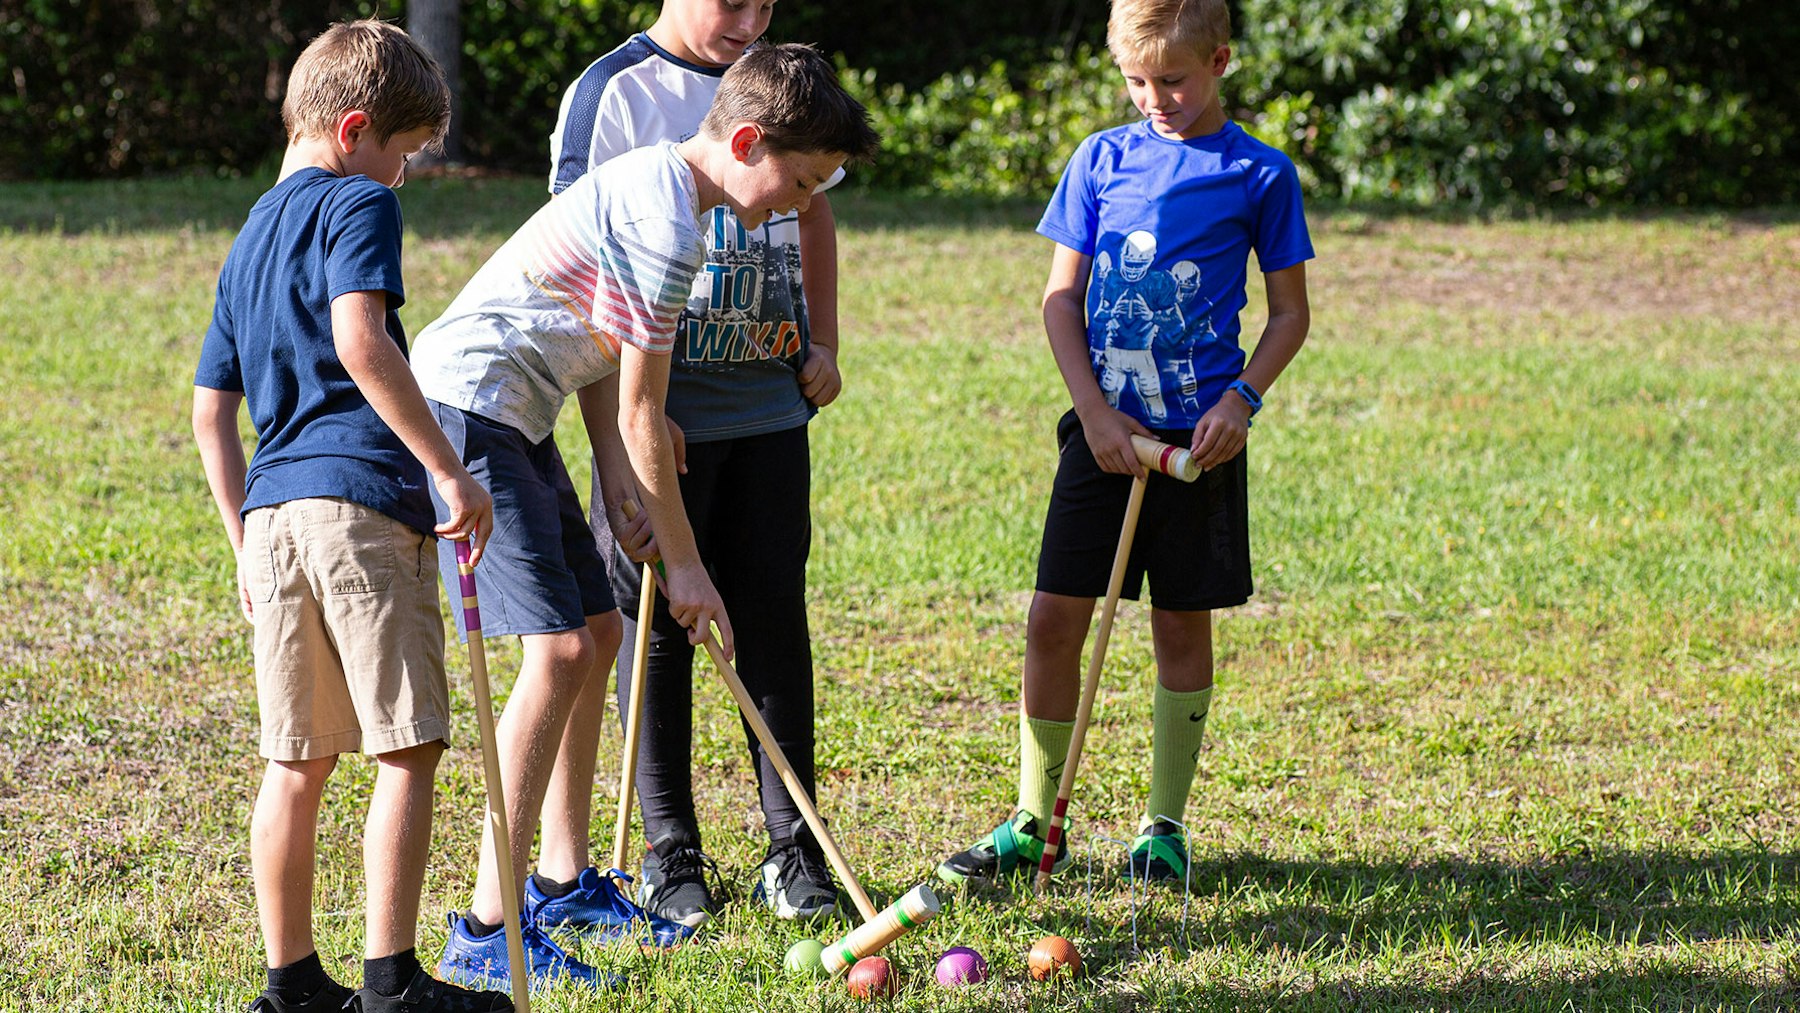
x: 1053, y: 954
x: 872, y: 978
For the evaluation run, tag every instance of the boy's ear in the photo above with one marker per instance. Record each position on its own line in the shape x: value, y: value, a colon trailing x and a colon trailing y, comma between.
x: 350, y: 127
x: 744, y: 137
x: 1221, y: 59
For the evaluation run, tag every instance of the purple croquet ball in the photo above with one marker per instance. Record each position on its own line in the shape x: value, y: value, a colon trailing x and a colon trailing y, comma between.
x: 961, y: 966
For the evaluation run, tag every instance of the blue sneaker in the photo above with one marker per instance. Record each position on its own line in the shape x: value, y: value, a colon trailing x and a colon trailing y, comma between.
x: 481, y: 962
x: 598, y: 911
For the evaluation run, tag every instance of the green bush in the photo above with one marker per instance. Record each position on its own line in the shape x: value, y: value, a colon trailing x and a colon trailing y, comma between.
x: 1477, y: 102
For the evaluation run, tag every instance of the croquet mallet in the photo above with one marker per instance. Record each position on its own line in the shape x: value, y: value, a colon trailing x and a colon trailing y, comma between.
x: 1157, y: 457
x: 879, y: 928
x: 634, y: 718
x: 498, y: 836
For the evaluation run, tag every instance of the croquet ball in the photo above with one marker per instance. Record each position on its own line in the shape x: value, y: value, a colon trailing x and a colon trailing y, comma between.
x: 961, y: 966
x: 872, y: 978
x: 1051, y: 955
x: 804, y: 958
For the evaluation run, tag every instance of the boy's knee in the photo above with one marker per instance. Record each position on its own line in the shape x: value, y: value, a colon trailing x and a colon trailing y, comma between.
x: 299, y: 777
x: 420, y: 759
x: 1056, y: 620
x: 568, y: 650
x: 608, y: 632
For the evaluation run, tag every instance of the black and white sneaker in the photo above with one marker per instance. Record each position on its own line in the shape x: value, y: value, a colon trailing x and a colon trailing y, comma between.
x: 425, y: 994
x: 330, y: 998
x: 794, y: 881
x: 673, y: 884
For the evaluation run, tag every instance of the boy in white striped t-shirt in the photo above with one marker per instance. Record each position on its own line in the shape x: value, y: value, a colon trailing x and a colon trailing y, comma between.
x: 584, y: 299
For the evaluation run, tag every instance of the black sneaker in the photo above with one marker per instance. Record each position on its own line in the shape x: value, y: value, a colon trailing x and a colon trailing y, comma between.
x: 1012, y: 846
x: 329, y: 999
x: 673, y: 885
x: 794, y: 881
x: 425, y: 994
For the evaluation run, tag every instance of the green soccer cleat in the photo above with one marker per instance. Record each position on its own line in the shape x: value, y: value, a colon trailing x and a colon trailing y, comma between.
x: 1160, y: 852
x: 1012, y: 846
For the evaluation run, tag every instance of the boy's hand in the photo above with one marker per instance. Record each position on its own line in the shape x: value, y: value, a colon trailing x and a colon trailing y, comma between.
x: 471, y: 511
x: 243, y: 585
x: 1222, y: 431
x: 630, y: 525
x: 695, y: 604
x: 820, y: 381
x: 1108, y: 432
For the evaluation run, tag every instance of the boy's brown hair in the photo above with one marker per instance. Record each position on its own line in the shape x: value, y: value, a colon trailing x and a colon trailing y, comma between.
x: 372, y: 66
x: 1146, y: 31
x: 793, y: 94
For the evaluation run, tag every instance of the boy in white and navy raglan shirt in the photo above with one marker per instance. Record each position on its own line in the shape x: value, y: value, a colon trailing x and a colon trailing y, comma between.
x: 585, y: 299
x: 755, y: 356
x: 1154, y: 223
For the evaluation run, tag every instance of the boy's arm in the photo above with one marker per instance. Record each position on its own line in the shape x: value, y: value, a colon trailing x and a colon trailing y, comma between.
x: 600, y: 415
x: 820, y: 381
x: 643, y: 390
x: 373, y: 360
x: 222, y: 458
x: 1108, y: 431
x: 1225, y: 428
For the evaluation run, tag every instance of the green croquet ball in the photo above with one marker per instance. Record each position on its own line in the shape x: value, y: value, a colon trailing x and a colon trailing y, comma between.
x: 805, y: 957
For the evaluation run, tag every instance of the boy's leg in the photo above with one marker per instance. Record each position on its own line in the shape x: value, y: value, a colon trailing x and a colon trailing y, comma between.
x: 1182, y: 699
x: 1055, y: 632
x: 529, y: 736
x: 396, y: 841
x: 283, y: 839
x: 569, y: 798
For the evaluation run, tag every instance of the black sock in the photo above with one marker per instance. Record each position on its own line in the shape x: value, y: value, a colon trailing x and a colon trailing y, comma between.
x: 552, y: 888
x: 300, y: 980
x: 477, y: 927
x: 391, y: 974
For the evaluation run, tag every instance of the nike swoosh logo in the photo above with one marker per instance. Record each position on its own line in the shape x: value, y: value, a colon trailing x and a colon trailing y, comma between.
x: 1197, y: 717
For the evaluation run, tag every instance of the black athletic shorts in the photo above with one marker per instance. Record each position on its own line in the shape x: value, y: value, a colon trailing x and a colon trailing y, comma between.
x: 1193, y: 540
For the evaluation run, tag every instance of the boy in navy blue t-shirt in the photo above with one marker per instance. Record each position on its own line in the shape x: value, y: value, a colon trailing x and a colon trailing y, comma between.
x: 1153, y: 223
x: 332, y: 520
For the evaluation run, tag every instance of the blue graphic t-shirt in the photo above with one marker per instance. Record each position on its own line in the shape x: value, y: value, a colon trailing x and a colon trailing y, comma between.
x: 1171, y: 225
x: 313, y: 237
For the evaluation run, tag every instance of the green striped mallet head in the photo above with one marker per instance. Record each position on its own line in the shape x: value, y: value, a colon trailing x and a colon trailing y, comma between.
x: 919, y: 906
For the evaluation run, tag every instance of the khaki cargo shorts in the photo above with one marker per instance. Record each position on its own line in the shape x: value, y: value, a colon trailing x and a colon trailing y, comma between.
x: 349, y: 639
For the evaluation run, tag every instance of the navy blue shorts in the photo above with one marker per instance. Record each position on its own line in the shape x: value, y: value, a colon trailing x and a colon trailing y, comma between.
x: 541, y: 571
x: 1193, y: 539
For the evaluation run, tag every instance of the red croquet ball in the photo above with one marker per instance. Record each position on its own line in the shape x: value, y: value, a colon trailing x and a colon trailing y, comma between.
x: 872, y: 978
x: 1051, y: 955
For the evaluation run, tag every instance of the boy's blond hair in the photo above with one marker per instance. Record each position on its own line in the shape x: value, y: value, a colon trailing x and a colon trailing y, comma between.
x: 1146, y: 31
x: 372, y: 66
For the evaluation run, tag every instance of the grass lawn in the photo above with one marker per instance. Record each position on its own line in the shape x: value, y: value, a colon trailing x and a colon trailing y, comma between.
x: 1511, y: 722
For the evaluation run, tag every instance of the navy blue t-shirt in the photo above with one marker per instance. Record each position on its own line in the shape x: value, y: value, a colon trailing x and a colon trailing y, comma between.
x: 1171, y: 225
x: 312, y: 238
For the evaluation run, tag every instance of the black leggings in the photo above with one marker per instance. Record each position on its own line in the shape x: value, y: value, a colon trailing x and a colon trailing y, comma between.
x: 748, y: 500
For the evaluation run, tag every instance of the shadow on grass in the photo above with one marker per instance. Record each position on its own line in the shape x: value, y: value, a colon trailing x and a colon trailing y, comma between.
x: 1351, y: 911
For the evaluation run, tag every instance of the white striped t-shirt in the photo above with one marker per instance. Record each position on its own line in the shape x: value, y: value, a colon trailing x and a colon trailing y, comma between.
x: 611, y: 259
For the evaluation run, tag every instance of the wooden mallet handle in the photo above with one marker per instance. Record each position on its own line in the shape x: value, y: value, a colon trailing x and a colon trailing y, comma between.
x: 496, y: 791
x: 634, y: 719
x: 1090, y: 685
x: 754, y: 719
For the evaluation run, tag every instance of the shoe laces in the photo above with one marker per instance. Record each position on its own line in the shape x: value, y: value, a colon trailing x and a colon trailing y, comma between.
x: 797, y: 861
x: 689, y: 863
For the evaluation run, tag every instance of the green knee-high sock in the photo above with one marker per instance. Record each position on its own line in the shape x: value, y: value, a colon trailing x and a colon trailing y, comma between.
x: 1178, y: 723
x: 1043, y: 746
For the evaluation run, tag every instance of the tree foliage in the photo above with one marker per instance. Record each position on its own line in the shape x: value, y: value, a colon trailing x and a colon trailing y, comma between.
x: 1421, y: 101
